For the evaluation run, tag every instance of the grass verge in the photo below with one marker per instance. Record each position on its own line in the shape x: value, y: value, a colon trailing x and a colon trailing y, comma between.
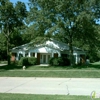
x: 60, y: 74
x: 5, y: 96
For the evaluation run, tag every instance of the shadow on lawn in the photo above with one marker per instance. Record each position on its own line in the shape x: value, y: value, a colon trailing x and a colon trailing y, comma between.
x: 89, y: 66
x: 97, y: 66
x: 10, y: 67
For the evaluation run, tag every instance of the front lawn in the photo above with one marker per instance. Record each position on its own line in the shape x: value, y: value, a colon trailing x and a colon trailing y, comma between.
x: 5, y: 96
x: 90, y: 71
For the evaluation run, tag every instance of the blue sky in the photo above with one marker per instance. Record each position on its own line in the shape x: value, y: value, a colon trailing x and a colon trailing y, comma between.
x: 14, y: 1
x: 25, y: 1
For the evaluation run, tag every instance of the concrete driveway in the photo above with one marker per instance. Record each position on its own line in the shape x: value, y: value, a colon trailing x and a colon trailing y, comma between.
x: 61, y: 86
x: 3, y: 64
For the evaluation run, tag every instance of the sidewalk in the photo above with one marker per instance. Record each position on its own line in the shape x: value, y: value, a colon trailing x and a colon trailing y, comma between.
x: 53, y: 86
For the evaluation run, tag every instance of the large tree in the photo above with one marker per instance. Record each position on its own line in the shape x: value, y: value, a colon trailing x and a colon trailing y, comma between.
x: 11, y: 17
x: 74, y: 19
x: 3, y: 54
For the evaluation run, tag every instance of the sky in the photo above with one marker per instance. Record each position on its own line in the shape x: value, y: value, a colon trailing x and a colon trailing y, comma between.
x: 25, y: 1
x: 14, y: 1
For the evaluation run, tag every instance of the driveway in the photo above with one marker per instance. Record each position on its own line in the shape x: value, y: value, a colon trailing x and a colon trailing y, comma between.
x: 3, y: 64
x: 61, y: 86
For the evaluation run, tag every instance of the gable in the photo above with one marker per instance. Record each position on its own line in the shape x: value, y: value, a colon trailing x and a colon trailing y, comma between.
x: 47, y: 46
x: 45, y: 49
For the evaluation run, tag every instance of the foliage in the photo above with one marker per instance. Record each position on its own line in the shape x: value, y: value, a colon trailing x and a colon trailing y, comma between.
x: 39, y: 40
x: 74, y: 22
x: 32, y: 60
x: 60, y: 61
x: 66, y: 61
x: 56, y: 62
x: 25, y: 61
x: 71, y: 19
x: 51, y: 61
x: 16, y: 39
x: 3, y: 54
x: 11, y: 17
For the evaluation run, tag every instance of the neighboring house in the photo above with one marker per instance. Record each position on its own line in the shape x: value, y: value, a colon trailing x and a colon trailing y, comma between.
x: 46, y: 50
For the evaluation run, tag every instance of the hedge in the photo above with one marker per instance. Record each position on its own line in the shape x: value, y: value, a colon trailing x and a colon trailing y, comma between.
x: 60, y: 61
x: 24, y: 61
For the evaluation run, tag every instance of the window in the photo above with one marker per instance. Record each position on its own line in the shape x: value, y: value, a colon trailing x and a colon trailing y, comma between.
x: 32, y: 54
x: 26, y: 54
x: 48, y: 57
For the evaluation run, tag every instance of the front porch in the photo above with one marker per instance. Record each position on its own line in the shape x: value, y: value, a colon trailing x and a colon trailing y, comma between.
x: 43, y: 58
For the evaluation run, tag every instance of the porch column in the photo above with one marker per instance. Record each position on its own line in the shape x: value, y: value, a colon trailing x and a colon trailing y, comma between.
x: 35, y: 55
x: 76, y: 59
x: 59, y: 54
x: 52, y: 55
x: 29, y: 54
x: 23, y: 54
x: 17, y: 56
x: 46, y: 58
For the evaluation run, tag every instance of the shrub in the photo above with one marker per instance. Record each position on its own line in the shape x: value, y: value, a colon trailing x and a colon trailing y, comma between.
x: 23, y: 61
x: 32, y: 60
x: 27, y: 61
x: 60, y: 61
x: 16, y: 63
x: 56, y: 62
x: 66, y: 61
x: 51, y: 61
x: 12, y: 62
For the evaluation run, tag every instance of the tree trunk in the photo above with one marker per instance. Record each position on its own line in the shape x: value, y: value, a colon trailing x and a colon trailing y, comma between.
x: 8, y: 53
x: 71, y: 57
x: 8, y: 44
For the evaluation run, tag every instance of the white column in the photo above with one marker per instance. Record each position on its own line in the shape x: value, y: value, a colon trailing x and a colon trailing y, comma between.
x: 76, y: 59
x: 35, y: 55
x: 46, y: 58
x: 29, y: 54
x: 17, y: 56
x: 23, y: 54
x: 52, y: 54
x: 59, y: 54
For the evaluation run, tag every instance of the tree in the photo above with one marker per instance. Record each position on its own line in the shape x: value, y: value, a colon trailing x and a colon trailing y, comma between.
x: 11, y: 18
x: 73, y: 18
x: 3, y: 54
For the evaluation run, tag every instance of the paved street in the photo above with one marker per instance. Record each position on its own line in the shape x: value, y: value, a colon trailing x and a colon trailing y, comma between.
x: 62, y: 86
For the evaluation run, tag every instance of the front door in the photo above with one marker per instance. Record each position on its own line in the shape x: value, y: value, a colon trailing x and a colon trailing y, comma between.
x: 45, y: 58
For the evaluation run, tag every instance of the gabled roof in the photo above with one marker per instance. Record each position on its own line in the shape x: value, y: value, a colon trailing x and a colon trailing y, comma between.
x: 22, y: 47
x: 49, y: 43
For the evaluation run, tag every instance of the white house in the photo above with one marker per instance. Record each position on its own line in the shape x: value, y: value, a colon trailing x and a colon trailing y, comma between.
x: 43, y: 52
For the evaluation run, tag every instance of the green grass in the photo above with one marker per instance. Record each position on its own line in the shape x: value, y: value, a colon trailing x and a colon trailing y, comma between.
x: 90, y: 71
x: 94, y: 66
x: 60, y: 74
x: 5, y: 96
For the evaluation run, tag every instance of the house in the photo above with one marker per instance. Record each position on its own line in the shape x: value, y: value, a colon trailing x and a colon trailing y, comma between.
x: 43, y: 52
